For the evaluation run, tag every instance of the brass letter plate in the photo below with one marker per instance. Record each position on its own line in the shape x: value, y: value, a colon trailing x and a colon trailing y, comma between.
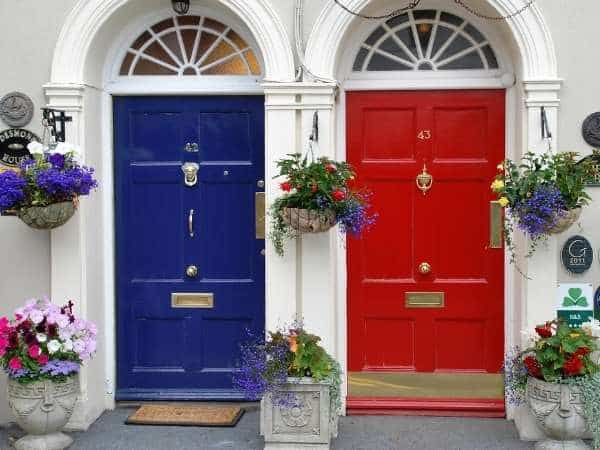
x: 496, y: 225
x: 192, y: 300
x: 259, y: 201
x: 424, y: 300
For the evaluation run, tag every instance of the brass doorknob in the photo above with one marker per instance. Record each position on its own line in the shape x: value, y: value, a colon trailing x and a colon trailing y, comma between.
x: 424, y: 268
x: 191, y: 271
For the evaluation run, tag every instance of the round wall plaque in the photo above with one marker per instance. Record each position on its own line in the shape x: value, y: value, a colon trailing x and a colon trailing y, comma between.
x: 591, y: 129
x: 13, y: 146
x: 16, y: 109
x: 577, y: 255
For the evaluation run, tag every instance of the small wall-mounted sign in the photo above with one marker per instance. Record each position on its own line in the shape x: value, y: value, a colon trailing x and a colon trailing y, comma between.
x: 577, y: 255
x: 591, y: 129
x: 13, y: 146
x: 16, y: 109
x: 575, y: 303
x: 597, y: 304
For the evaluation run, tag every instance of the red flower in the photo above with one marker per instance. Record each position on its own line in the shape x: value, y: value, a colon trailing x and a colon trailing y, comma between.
x: 533, y: 366
x: 330, y: 168
x: 286, y: 186
x: 582, y: 351
x: 338, y: 195
x: 43, y: 359
x: 15, y: 363
x: 573, y: 366
x: 314, y: 187
x: 34, y: 351
x: 544, y: 330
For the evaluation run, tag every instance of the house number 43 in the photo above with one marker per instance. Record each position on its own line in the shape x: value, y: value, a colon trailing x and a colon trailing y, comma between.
x: 424, y: 135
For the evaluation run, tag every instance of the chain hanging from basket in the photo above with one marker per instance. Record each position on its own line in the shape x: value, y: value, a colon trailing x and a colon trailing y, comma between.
x: 414, y: 3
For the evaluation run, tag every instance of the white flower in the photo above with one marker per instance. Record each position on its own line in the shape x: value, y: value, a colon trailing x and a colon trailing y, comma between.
x: 36, y: 148
x: 36, y: 316
x: 41, y: 337
x: 68, y: 345
x: 79, y: 346
x: 53, y: 346
x: 63, y: 148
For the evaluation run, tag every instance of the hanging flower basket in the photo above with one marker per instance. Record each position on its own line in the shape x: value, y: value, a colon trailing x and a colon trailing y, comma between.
x: 45, y: 191
x: 47, y: 217
x: 566, y: 221
x: 309, y: 220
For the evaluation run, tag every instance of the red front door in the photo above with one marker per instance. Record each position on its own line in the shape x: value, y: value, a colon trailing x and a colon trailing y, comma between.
x: 459, y: 136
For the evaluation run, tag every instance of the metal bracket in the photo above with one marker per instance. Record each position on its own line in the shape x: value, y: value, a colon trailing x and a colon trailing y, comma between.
x: 53, y: 117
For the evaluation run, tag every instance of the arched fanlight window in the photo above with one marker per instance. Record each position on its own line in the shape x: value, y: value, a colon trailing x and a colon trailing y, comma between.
x: 189, y: 45
x: 425, y: 40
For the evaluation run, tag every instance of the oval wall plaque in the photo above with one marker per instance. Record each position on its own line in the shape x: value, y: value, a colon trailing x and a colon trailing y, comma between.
x: 13, y: 146
x: 577, y: 255
x: 591, y: 129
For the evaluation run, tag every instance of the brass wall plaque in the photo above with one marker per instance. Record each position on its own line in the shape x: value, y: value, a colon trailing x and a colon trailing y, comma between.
x: 259, y: 201
x: 424, y: 299
x: 192, y: 300
x: 496, y: 225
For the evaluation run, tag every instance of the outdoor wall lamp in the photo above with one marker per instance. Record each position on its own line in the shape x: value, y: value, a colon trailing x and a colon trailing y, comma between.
x: 181, y: 7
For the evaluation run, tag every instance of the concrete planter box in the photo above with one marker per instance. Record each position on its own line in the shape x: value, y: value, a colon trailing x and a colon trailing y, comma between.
x: 43, y: 409
x: 558, y: 409
x: 309, y: 426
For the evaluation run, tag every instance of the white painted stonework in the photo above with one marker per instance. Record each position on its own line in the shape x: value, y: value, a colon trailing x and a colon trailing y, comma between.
x: 310, y: 280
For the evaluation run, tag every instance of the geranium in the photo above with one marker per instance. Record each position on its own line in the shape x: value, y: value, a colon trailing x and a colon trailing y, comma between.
x: 39, y: 343
x: 544, y: 330
x: 533, y: 366
x: 321, y: 189
x: 52, y: 175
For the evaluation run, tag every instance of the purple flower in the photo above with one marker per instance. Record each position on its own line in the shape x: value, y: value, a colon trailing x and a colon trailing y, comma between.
x: 540, y: 212
x: 355, y: 217
x: 57, y: 160
x: 12, y: 189
x: 17, y: 373
x: 57, y: 367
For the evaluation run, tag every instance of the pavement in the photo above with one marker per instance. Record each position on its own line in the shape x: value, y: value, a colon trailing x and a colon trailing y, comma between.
x: 356, y: 433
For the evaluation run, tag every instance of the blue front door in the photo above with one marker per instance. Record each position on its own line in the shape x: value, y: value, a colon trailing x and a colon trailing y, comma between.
x: 179, y: 332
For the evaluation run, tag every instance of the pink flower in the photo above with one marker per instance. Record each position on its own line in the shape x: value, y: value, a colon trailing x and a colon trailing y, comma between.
x: 43, y: 359
x: 34, y: 351
x: 3, y: 324
x: 15, y: 363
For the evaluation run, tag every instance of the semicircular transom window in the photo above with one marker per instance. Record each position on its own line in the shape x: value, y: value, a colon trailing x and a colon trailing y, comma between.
x: 189, y: 45
x: 425, y: 40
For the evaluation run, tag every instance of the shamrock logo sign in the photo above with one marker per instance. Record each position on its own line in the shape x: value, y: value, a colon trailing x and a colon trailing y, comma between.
x: 575, y: 298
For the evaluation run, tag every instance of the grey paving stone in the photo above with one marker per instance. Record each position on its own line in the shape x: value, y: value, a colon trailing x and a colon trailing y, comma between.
x: 356, y: 433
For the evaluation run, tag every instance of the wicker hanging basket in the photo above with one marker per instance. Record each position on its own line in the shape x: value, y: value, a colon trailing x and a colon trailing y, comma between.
x: 565, y: 222
x: 308, y: 220
x: 47, y: 217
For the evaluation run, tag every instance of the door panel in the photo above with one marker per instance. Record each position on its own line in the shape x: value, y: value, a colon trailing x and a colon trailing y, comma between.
x: 459, y: 136
x: 175, y: 352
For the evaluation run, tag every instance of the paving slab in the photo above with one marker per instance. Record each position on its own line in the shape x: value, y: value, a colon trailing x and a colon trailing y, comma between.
x: 356, y: 433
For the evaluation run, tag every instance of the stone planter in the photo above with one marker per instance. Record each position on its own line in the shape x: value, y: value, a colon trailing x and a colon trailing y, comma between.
x: 311, y: 425
x: 307, y: 220
x: 47, y: 217
x: 566, y: 222
x: 42, y: 409
x: 558, y: 409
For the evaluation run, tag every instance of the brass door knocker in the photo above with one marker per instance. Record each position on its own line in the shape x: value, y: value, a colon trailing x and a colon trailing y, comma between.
x: 424, y: 180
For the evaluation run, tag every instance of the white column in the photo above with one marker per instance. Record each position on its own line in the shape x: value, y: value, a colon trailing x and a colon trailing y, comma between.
x: 318, y: 251
x: 73, y: 268
x: 281, y: 139
x: 539, y: 291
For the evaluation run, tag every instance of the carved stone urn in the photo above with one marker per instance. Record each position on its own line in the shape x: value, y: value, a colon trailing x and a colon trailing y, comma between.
x: 558, y: 409
x: 43, y: 409
x: 309, y: 425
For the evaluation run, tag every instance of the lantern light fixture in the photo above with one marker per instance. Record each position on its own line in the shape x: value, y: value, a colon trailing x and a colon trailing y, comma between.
x: 181, y: 7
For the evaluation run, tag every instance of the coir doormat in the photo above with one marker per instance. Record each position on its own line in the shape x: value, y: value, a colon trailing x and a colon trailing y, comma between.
x: 189, y: 416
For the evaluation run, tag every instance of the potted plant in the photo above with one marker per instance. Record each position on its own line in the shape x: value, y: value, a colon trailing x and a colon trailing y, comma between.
x: 543, y: 194
x: 44, y: 193
x: 558, y: 379
x: 298, y: 384
x: 317, y: 196
x: 42, y: 350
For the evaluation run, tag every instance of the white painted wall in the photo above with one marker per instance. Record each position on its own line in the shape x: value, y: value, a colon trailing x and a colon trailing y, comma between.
x: 28, y: 35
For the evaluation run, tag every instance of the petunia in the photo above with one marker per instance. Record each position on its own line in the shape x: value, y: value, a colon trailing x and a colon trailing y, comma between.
x: 53, y: 346
x: 36, y: 148
x: 43, y: 359
x: 34, y: 351
x: 15, y: 363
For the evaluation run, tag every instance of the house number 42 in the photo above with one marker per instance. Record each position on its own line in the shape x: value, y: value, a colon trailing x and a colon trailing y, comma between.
x: 424, y: 135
